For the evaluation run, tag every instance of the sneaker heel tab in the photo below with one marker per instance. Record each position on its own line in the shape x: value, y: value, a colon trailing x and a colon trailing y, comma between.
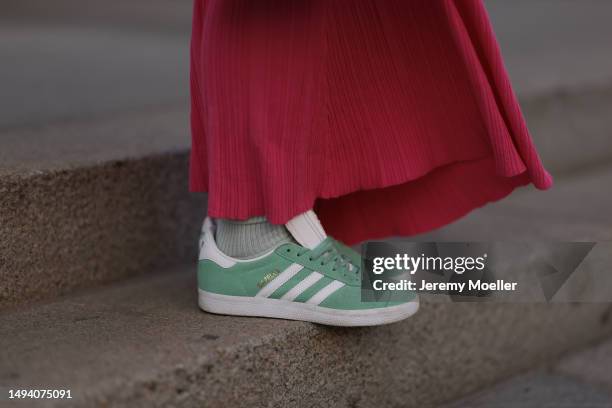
x: 207, y: 228
x: 208, y: 246
x: 208, y: 225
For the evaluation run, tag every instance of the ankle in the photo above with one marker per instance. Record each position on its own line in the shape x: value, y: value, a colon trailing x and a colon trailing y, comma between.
x: 249, y: 238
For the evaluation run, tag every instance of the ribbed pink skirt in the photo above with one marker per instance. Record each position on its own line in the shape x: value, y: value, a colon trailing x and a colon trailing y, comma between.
x: 388, y: 117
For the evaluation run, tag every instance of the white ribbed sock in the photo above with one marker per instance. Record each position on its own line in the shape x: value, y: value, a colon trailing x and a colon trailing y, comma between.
x: 250, y: 238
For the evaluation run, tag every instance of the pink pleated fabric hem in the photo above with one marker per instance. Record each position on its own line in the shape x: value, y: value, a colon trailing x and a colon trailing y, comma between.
x: 388, y: 117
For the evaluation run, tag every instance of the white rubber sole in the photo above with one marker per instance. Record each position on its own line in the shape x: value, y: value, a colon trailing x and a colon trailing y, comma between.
x: 284, y: 309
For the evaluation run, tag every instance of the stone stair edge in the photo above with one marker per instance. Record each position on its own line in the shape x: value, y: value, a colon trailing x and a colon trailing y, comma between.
x: 147, y: 344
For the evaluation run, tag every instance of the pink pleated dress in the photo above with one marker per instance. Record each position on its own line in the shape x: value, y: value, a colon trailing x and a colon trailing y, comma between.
x: 388, y: 117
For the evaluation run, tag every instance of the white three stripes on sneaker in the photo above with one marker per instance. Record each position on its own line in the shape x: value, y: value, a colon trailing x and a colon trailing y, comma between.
x: 302, y: 286
x: 280, y: 280
x: 298, y: 289
x: 325, y: 292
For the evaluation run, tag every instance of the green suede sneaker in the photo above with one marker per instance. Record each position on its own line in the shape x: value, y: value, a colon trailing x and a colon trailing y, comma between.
x: 316, y: 279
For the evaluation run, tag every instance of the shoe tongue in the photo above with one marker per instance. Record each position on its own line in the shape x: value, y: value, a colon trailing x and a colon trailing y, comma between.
x: 307, y: 229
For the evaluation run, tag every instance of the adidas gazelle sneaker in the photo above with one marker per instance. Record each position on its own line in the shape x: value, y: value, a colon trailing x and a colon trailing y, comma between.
x: 316, y: 279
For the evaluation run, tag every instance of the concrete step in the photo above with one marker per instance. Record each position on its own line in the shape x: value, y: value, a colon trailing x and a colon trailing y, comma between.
x: 144, y: 342
x: 576, y: 209
x: 88, y: 202
x: 571, y: 129
x: 546, y: 43
x: 580, y: 379
x: 57, y: 73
